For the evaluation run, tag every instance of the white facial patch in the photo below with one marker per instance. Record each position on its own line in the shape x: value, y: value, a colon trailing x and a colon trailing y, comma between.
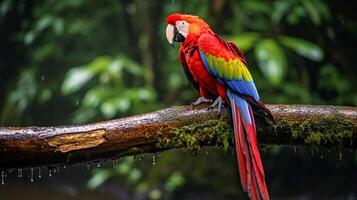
x: 182, y: 27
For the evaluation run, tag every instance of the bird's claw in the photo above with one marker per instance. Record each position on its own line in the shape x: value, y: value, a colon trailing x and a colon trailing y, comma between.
x: 217, y: 103
x: 201, y: 100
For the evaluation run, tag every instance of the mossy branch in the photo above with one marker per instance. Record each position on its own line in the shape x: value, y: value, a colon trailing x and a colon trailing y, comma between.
x: 175, y: 127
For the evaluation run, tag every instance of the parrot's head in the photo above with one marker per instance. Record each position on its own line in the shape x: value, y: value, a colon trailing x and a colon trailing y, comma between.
x: 181, y: 27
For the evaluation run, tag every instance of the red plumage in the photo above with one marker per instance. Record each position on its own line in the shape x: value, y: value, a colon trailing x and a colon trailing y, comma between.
x: 200, y: 42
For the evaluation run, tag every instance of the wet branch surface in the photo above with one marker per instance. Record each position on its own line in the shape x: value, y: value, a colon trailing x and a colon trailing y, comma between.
x: 175, y: 127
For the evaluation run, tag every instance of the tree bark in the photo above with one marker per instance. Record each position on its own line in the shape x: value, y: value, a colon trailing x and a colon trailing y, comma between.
x: 175, y: 127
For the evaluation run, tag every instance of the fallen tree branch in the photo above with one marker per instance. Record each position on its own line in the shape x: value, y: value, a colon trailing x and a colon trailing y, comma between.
x: 171, y: 128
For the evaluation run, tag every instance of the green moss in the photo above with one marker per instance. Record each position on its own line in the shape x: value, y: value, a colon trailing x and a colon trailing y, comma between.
x: 331, y: 130
x: 194, y: 136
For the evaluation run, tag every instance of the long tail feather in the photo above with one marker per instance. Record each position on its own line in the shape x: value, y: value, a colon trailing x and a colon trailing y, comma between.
x: 249, y: 161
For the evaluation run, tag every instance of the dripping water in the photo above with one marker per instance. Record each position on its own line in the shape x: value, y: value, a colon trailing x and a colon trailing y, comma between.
x: 88, y: 167
x: 19, y: 173
x: 154, y: 159
x: 2, y: 178
x: 39, y: 172
x: 31, y: 175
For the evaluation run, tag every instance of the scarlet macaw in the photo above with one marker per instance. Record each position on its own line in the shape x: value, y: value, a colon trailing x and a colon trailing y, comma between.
x: 219, y: 70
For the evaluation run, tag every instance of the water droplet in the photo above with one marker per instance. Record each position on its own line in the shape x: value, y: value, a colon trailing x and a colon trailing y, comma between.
x: 68, y: 157
x: 77, y: 103
x: 153, y: 159
x: 31, y: 176
x: 321, y: 157
x: 39, y: 172
x: 19, y: 173
x: 295, y: 149
x: 2, y: 178
x: 98, y: 164
x: 88, y: 167
x: 49, y: 173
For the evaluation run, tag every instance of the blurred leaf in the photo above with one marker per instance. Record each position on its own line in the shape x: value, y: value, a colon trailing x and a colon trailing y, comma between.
x: 29, y: 37
x: 99, y: 177
x: 5, y: 6
x: 302, y: 47
x: 256, y: 6
x: 294, y: 15
x: 125, y: 167
x: 131, y: 66
x: 245, y: 41
x: 271, y: 60
x: 174, y: 181
x: 155, y: 194
x: 280, y: 9
x: 312, y: 11
x: 331, y: 80
x: 75, y: 79
x: 175, y: 81
x: 26, y: 91
x: 134, y: 175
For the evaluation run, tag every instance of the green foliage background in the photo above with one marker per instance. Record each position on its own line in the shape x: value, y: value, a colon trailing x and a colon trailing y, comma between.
x: 79, y: 61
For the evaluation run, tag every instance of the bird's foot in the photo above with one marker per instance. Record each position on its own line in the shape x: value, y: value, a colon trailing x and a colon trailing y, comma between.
x: 201, y: 100
x: 217, y: 103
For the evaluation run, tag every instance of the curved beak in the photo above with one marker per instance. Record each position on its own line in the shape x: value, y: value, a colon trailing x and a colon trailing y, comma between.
x: 173, y: 34
x: 170, y: 34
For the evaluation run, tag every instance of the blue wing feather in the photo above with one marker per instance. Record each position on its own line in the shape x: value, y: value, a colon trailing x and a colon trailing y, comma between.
x: 240, y: 86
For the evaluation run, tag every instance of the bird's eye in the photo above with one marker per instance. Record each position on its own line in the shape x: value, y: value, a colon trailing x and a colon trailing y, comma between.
x: 182, y: 23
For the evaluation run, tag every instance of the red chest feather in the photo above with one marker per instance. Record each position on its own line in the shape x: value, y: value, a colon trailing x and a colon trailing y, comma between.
x: 200, y: 73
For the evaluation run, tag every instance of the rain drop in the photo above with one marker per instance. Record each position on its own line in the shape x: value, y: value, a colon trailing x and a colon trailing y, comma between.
x: 19, y: 173
x: 153, y: 159
x: 2, y: 178
x: 49, y: 173
x: 39, y: 172
x: 88, y: 167
x: 98, y: 164
x: 31, y: 176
